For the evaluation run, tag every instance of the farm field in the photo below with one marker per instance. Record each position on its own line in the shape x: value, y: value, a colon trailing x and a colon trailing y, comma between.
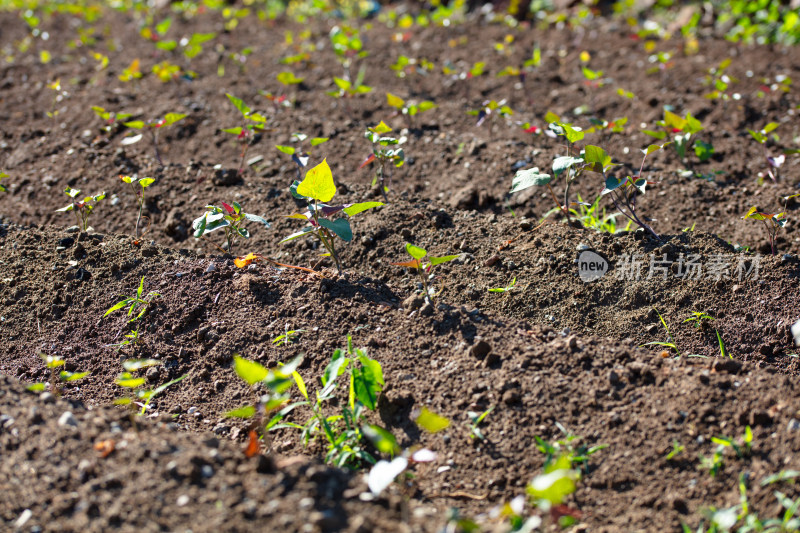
x: 542, y: 269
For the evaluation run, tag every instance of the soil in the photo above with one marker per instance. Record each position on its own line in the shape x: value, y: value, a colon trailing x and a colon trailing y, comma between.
x: 554, y: 350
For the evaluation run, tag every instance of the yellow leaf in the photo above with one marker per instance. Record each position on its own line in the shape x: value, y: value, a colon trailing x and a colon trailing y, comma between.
x: 380, y: 128
x: 242, y: 262
x: 431, y: 422
x: 394, y: 101
x: 318, y: 183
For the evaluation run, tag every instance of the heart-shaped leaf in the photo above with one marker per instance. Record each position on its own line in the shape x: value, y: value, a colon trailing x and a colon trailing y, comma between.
x: 340, y: 226
x: 527, y: 178
x: 318, y: 183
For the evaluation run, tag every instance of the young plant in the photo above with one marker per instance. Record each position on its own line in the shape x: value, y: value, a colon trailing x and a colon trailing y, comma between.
x: 316, y: 189
x: 424, y: 270
x: 81, y: 208
x: 228, y: 217
x: 139, y: 194
x: 135, y: 302
x: 677, y: 449
x: 300, y: 156
x: 682, y: 130
x: 288, y: 336
x: 348, y: 46
x: 577, y: 456
x: 773, y: 163
x: 383, y: 153
x: 699, y: 319
x: 489, y: 109
x: 349, y: 89
x: 57, y: 378
x: 245, y: 134
x: 507, y: 288
x: 402, y: 107
x: 3, y: 175
x: 475, y: 420
x: 112, y: 120
x: 589, y: 216
x: 345, y: 433
x: 772, y: 223
x: 139, y: 396
x: 670, y: 343
x: 153, y: 127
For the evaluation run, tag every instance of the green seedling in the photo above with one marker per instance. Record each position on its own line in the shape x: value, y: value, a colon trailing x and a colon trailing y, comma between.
x: 601, y: 125
x: 288, y: 78
x: 59, y: 95
x: 277, y: 383
x: 299, y: 155
x: 345, y: 433
x: 245, y: 134
x: 408, y: 65
x: 578, y: 456
x: 662, y: 61
x: 139, y: 193
x: 112, y: 120
x: 780, y: 477
x: 772, y: 223
x: 741, y: 447
x: 549, y: 490
x: 404, y: 108
x: 287, y: 337
x: 134, y: 303
x: 131, y: 339
x: 156, y: 35
x: 623, y: 191
x: 424, y: 269
x: 490, y: 109
x: 316, y: 189
x: 475, y: 420
x: 3, y: 176
x: 670, y: 343
x: 349, y: 89
x: 507, y: 288
x: 722, y: 350
x: 677, y: 449
x: 193, y: 46
x: 715, y: 463
x: 138, y: 396
x: 131, y: 72
x: 57, y: 377
x: 762, y: 137
x: 682, y: 130
x: 81, y: 208
x: 699, y: 319
x: 167, y: 72
x: 589, y: 216
x: 230, y: 218
x: 386, y: 153
x: 721, y: 82
x: 152, y: 127
x: 348, y: 46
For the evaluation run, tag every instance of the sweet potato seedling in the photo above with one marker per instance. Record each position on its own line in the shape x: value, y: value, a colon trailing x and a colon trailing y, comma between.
x: 3, y: 176
x: 316, y: 189
x: 230, y: 218
x: 490, y: 109
x: 57, y: 377
x: 139, y: 194
x: 139, y: 396
x: 153, y: 127
x: 385, y: 153
x: 349, y: 89
x: 699, y: 319
x: 762, y: 137
x: 245, y: 134
x: 298, y: 154
x: 424, y: 269
x: 348, y: 46
x: 402, y: 107
x: 772, y: 223
x: 81, y: 208
x: 682, y: 130
x: 112, y: 119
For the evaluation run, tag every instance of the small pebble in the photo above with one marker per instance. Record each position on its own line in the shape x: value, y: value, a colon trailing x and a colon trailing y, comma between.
x: 67, y: 419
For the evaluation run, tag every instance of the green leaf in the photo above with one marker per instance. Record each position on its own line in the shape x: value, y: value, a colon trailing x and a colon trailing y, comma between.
x: 382, y: 439
x: 172, y: 118
x: 116, y: 306
x: 316, y: 141
x: 72, y: 376
x: 657, y: 134
x: 290, y: 150
x: 527, y: 178
x: 360, y: 207
x: 146, y: 182
x: 340, y: 226
x: 341, y: 83
x: 366, y: 382
x: 415, y: 251
x: 553, y: 487
x: 551, y: 117
x: 130, y: 383
x: 318, y: 183
x: 769, y: 127
x: 288, y: 78
x: 238, y: 104
x: 234, y: 131
x: 132, y: 365
x: 335, y: 368
x: 612, y: 183
x: 572, y: 133
x: 444, y: 259
x: 562, y: 163
x: 431, y: 422
x: 135, y: 124
x: 248, y: 411
x: 250, y: 371
x: 36, y: 387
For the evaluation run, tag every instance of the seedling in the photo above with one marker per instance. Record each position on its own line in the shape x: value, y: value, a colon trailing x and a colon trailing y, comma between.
x: 699, y: 319
x: 228, y: 217
x: 475, y: 420
x: 153, y: 127
x: 3, y: 175
x: 717, y: 78
x: 112, y: 119
x: 316, y: 189
x: 682, y: 131
x: 57, y: 378
x: 348, y: 46
x: 489, y: 109
x: 677, y: 449
x: 589, y: 216
x: 131, y: 339
x: 507, y: 288
x: 252, y: 122
x: 288, y: 337
x: 300, y: 156
x: 773, y: 163
x: 772, y: 222
x: 349, y: 88
x: 139, y: 193
x: 135, y: 302
x: 408, y: 65
x: 59, y: 95
x: 670, y: 343
x: 577, y: 456
x: 741, y: 447
x: 131, y: 72
x: 344, y: 432
x: 424, y: 270
x: 139, y: 396
x: 411, y: 110
x: 386, y: 156
x: 167, y: 72
x: 82, y: 208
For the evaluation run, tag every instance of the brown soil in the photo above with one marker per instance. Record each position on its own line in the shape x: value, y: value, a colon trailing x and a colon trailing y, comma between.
x: 553, y: 350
